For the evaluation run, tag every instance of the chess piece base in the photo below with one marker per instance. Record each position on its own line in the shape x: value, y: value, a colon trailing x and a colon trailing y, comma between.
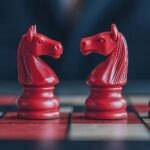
x: 38, y: 115
x: 106, y: 115
x: 38, y: 103
x: 106, y: 103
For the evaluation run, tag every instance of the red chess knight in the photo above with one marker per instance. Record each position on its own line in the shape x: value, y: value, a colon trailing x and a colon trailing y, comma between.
x: 108, y: 77
x: 36, y: 77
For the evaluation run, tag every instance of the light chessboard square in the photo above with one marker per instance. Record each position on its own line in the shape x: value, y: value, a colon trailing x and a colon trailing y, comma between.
x: 139, y: 99
x: 75, y: 100
x: 144, y: 116
x: 108, y: 132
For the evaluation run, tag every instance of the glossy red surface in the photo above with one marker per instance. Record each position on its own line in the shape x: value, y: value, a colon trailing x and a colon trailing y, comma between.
x: 8, y: 100
x: 106, y: 80
x: 20, y: 129
x: 36, y: 77
x: 11, y: 117
x: 141, y: 108
x: 14, y: 129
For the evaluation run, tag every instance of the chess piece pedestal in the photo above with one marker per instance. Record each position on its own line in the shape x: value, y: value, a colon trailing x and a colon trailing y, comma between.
x: 38, y: 103
x: 106, y: 103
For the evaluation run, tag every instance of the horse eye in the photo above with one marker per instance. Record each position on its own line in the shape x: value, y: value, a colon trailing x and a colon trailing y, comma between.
x: 100, y: 40
x: 41, y: 41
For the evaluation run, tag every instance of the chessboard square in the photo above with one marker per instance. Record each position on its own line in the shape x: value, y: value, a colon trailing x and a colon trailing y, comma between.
x: 11, y: 117
x: 75, y: 100
x: 141, y: 107
x: 34, y: 131
x: 146, y: 120
x: 108, y: 132
x: 66, y: 109
x: 80, y: 118
x: 12, y: 128
x: 145, y: 117
x: 143, y: 114
x: 140, y: 99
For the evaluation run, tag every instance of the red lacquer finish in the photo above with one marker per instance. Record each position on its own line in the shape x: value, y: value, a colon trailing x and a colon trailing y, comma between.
x: 12, y: 128
x: 106, y: 80
x: 36, y: 77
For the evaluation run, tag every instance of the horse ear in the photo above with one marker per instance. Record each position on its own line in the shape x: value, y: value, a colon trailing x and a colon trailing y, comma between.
x: 114, y: 32
x: 34, y: 29
x: 31, y: 32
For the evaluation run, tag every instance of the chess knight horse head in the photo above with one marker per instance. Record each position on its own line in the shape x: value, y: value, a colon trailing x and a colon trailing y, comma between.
x: 108, y: 77
x: 36, y: 77
x: 112, y: 71
x: 31, y: 69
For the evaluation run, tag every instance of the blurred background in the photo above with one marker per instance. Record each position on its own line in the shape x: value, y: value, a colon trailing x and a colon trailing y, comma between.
x: 70, y: 20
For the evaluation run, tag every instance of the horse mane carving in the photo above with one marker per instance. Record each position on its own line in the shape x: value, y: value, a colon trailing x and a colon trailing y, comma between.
x: 33, y: 71
x: 113, y: 70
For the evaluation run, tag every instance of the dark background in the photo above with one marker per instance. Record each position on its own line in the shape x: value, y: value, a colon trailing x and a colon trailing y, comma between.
x: 87, y: 17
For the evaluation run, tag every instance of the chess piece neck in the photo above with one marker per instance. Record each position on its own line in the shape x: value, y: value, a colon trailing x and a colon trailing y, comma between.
x: 106, y: 91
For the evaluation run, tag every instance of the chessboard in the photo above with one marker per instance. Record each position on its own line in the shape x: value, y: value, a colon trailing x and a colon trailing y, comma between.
x: 72, y: 130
